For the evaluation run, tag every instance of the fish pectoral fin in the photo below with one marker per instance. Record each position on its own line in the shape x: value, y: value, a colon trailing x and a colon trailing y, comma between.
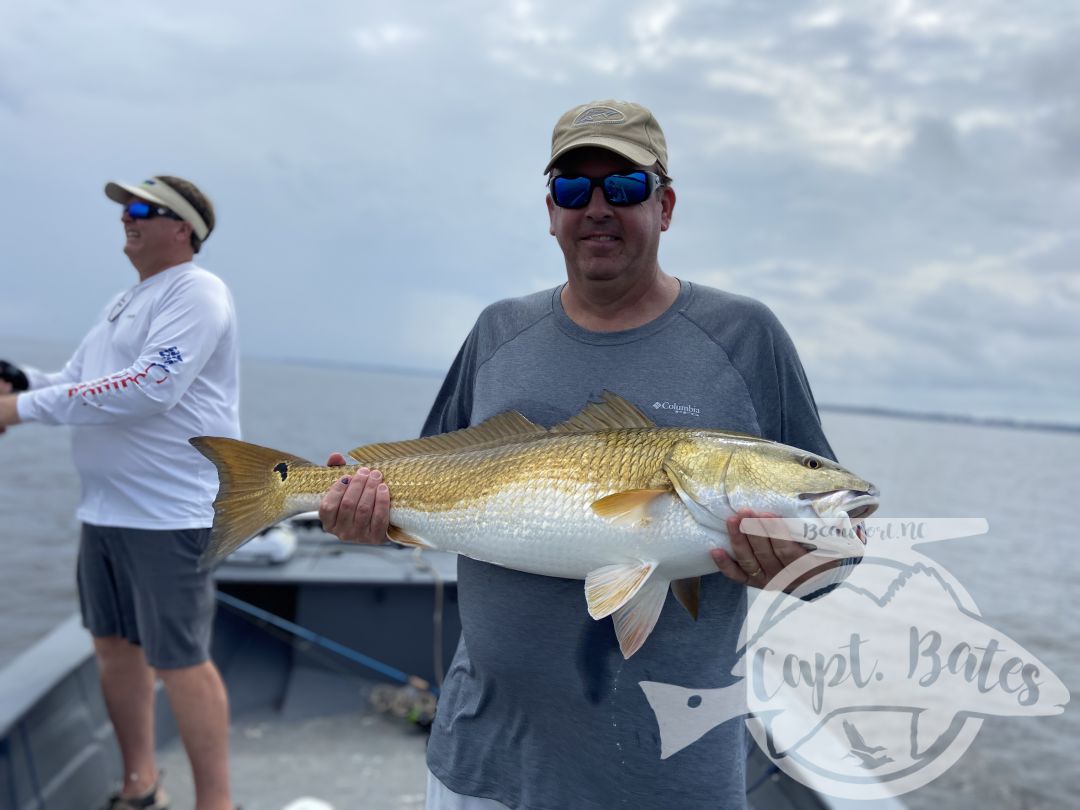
x: 628, y: 508
x: 637, y: 618
x: 688, y: 592
x: 609, y: 588
x: 402, y: 537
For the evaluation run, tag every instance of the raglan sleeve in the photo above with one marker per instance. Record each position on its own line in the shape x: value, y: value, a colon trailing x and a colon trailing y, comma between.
x: 184, y: 332
x: 798, y: 424
x: 799, y: 420
x: 452, y: 409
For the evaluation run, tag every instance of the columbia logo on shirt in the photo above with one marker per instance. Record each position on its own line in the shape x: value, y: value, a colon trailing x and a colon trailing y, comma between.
x: 689, y: 410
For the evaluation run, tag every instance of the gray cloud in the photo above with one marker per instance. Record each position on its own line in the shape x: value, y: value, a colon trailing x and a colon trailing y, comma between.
x: 898, y: 181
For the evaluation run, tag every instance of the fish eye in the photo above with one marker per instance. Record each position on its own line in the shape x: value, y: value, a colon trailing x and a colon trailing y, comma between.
x: 811, y: 463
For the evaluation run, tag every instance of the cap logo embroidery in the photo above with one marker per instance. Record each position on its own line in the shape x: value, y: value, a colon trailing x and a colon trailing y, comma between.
x: 599, y: 115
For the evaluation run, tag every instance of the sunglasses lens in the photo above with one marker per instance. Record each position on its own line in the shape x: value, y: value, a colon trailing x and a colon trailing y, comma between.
x: 626, y: 189
x: 619, y: 189
x: 138, y: 210
x: 571, y: 192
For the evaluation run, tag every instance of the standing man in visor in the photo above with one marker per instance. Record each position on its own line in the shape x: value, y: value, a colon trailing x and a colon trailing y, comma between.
x: 159, y: 366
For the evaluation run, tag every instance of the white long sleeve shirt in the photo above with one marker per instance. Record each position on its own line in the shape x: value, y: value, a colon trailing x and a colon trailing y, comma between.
x: 166, y: 368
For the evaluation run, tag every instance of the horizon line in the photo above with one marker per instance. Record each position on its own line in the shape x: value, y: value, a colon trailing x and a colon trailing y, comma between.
x: 866, y: 410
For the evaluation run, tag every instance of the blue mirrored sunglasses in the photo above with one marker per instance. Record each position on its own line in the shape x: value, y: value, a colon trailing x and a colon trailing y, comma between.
x: 631, y: 188
x: 137, y: 209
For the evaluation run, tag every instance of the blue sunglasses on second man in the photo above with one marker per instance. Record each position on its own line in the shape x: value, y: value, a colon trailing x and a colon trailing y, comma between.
x: 629, y: 188
x: 138, y: 209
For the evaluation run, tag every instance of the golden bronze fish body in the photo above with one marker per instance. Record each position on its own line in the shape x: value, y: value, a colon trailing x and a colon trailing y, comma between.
x: 606, y: 497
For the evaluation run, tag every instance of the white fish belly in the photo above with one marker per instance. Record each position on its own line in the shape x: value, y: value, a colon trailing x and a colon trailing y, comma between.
x: 551, y: 532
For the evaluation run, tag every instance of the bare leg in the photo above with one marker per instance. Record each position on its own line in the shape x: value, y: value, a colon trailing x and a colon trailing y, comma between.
x: 127, y: 684
x: 201, y: 708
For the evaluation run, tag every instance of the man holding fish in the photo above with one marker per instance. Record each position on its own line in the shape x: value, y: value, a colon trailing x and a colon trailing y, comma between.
x: 540, y: 708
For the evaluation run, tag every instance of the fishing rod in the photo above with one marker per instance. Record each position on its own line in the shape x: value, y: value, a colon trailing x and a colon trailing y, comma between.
x: 329, y: 644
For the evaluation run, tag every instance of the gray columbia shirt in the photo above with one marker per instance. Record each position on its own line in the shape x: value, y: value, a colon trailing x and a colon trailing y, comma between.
x: 539, y: 709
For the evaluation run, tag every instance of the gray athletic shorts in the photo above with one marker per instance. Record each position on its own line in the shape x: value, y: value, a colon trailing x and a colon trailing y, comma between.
x: 145, y: 586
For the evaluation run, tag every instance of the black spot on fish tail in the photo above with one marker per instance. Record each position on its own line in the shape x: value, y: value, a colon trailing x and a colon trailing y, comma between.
x: 597, y: 649
x: 282, y: 469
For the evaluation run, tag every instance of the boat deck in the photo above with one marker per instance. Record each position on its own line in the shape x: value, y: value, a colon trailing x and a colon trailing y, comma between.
x: 353, y: 760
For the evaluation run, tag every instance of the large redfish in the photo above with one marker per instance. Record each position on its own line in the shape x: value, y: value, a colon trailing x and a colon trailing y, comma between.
x: 607, y: 497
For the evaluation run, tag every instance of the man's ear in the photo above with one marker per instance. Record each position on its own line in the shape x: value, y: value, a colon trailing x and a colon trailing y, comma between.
x: 551, y: 214
x: 667, y: 207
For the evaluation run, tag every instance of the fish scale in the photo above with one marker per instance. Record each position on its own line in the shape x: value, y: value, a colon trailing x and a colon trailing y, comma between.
x: 611, y: 461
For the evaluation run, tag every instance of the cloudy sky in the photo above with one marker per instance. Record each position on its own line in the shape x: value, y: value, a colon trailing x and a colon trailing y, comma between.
x: 898, y: 180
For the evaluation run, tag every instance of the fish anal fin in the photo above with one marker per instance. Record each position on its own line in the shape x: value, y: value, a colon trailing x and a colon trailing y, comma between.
x: 612, y: 412
x: 635, y: 620
x: 500, y: 429
x: 628, y: 508
x: 609, y: 588
x: 403, y: 538
x: 688, y: 592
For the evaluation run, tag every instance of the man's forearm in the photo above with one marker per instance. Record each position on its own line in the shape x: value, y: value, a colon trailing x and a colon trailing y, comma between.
x: 9, y: 411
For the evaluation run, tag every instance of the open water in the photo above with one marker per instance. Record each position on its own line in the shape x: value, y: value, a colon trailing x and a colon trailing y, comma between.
x: 1024, y: 575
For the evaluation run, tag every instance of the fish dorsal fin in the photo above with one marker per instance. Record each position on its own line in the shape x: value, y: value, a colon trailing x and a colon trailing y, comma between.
x: 612, y: 412
x: 499, y: 429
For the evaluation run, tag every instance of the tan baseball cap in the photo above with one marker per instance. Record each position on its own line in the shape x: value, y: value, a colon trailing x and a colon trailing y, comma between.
x: 156, y: 190
x: 621, y: 127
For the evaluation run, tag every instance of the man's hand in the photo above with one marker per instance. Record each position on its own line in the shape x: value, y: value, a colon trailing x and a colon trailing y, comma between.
x: 757, y: 559
x: 754, y: 560
x: 356, y: 508
x: 9, y: 412
x: 13, y: 376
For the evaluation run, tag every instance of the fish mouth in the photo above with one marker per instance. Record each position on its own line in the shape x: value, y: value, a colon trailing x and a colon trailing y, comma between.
x: 856, y: 505
x: 861, y: 507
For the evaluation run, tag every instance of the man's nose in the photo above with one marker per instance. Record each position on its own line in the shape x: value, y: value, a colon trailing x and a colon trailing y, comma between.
x: 598, y: 207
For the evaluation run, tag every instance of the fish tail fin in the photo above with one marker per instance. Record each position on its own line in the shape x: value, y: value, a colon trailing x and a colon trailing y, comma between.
x: 251, y: 492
